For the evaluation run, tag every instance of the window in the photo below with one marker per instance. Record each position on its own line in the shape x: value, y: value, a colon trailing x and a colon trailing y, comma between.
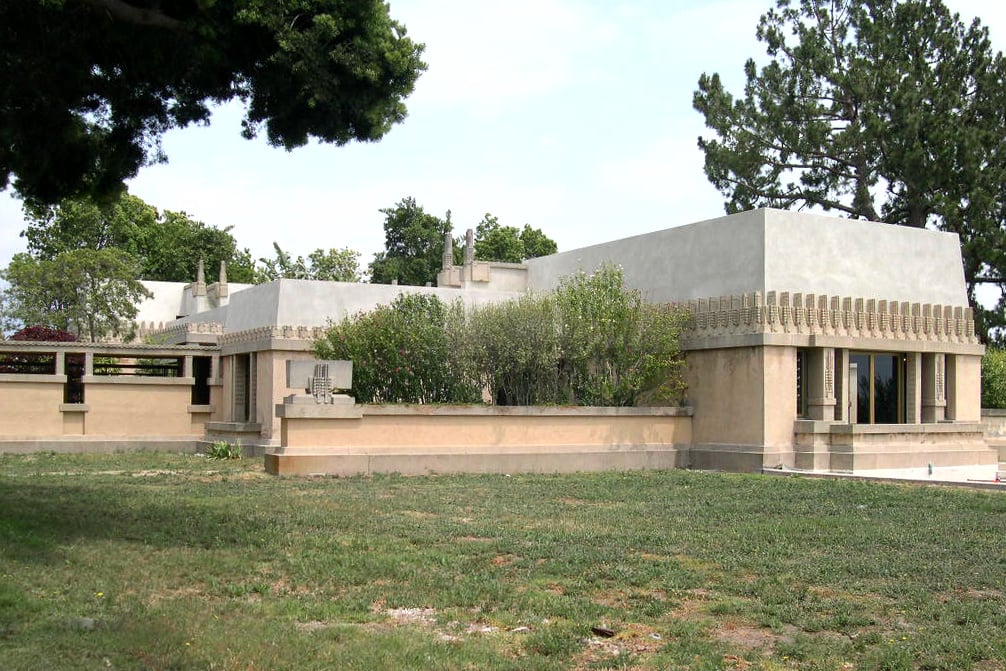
x: 879, y: 386
x: 73, y: 390
x: 201, y: 368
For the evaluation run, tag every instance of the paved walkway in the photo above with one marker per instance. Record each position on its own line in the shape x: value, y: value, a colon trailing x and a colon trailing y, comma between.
x: 985, y: 477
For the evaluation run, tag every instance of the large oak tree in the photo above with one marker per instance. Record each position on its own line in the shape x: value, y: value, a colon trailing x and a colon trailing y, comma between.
x: 888, y: 110
x: 89, y: 86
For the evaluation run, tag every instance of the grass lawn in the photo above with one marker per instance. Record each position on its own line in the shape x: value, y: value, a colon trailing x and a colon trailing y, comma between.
x: 154, y: 561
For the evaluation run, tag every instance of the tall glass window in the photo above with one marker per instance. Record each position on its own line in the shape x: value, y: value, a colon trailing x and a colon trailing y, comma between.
x: 880, y: 387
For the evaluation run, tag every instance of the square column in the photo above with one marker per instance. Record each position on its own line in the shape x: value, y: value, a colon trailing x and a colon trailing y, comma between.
x: 821, y: 383
x: 934, y: 396
x: 964, y: 387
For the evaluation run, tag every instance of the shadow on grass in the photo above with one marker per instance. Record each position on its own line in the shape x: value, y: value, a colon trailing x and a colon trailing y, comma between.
x: 37, y: 519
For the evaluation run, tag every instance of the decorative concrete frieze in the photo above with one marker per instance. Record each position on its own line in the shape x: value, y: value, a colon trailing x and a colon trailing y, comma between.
x: 782, y: 312
x: 177, y: 331
x: 284, y: 332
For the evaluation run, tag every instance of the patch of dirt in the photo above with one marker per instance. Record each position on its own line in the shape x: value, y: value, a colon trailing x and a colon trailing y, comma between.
x: 424, y: 616
x: 752, y: 638
x: 503, y: 560
x: 649, y: 556
x: 618, y: 598
x: 989, y: 665
x: 693, y: 605
x: 168, y: 594
x: 633, y: 639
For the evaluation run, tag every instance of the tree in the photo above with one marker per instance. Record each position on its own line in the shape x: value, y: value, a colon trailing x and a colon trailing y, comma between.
x: 413, y: 245
x: 333, y: 265
x: 90, y: 86
x: 43, y: 334
x: 885, y: 110
x: 168, y: 245
x: 91, y: 292
x: 508, y: 244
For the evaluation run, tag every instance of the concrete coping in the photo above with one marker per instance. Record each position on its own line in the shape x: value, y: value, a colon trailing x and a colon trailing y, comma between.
x: 139, y: 379
x: 234, y: 427
x: 200, y: 409
x: 32, y: 377
x: 811, y: 426
x: 525, y: 411
x: 993, y: 412
x: 74, y: 407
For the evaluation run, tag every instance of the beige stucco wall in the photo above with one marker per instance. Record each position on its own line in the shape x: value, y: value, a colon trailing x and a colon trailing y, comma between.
x: 124, y: 409
x: 272, y: 388
x: 485, y: 429
x: 725, y: 389
x: 30, y: 408
x: 123, y: 412
x: 477, y: 439
x: 964, y: 387
x: 745, y: 403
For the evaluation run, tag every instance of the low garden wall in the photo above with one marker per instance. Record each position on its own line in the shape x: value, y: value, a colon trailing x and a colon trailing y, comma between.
x: 421, y: 439
x: 53, y: 397
x: 994, y: 423
x: 852, y: 448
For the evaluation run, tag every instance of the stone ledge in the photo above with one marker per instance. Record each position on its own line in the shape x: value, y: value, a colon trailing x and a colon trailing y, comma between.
x: 525, y: 411
x: 810, y: 426
x: 139, y: 379
x: 318, y: 411
x: 431, y: 463
x: 31, y: 377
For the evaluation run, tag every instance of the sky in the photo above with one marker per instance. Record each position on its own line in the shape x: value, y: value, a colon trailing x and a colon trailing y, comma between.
x: 573, y: 116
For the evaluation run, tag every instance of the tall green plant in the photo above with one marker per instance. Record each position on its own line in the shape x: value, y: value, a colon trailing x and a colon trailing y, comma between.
x: 994, y: 378
x: 515, y: 348
x: 591, y: 342
x: 401, y: 353
x: 617, y: 349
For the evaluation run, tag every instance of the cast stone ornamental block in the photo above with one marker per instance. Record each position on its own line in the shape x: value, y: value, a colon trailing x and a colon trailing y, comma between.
x: 319, y: 378
x: 845, y: 316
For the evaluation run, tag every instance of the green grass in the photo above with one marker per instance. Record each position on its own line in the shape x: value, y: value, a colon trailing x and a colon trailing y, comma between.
x: 153, y: 561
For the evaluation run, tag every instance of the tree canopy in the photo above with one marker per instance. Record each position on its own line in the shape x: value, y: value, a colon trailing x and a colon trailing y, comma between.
x: 508, y: 244
x: 90, y: 292
x: 90, y: 86
x: 333, y: 265
x: 413, y: 245
x: 166, y: 245
x: 887, y: 110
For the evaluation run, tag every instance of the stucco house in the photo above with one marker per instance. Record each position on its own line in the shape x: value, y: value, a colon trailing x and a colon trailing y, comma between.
x: 817, y: 343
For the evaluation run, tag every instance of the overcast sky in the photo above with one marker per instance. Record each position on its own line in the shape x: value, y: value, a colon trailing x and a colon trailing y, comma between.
x: 573, y: 116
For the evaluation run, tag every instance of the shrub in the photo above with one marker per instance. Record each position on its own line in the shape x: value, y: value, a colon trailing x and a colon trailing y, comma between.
x: 44, y: 334
x: 223, y: 450
x: 401, y: 353
x: 591, y: 342
x: 994, y: 378
x: 616, y: 349
x: 515, y: 349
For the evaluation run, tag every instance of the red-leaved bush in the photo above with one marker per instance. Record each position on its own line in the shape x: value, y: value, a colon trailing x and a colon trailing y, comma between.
x: 44, y: 334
